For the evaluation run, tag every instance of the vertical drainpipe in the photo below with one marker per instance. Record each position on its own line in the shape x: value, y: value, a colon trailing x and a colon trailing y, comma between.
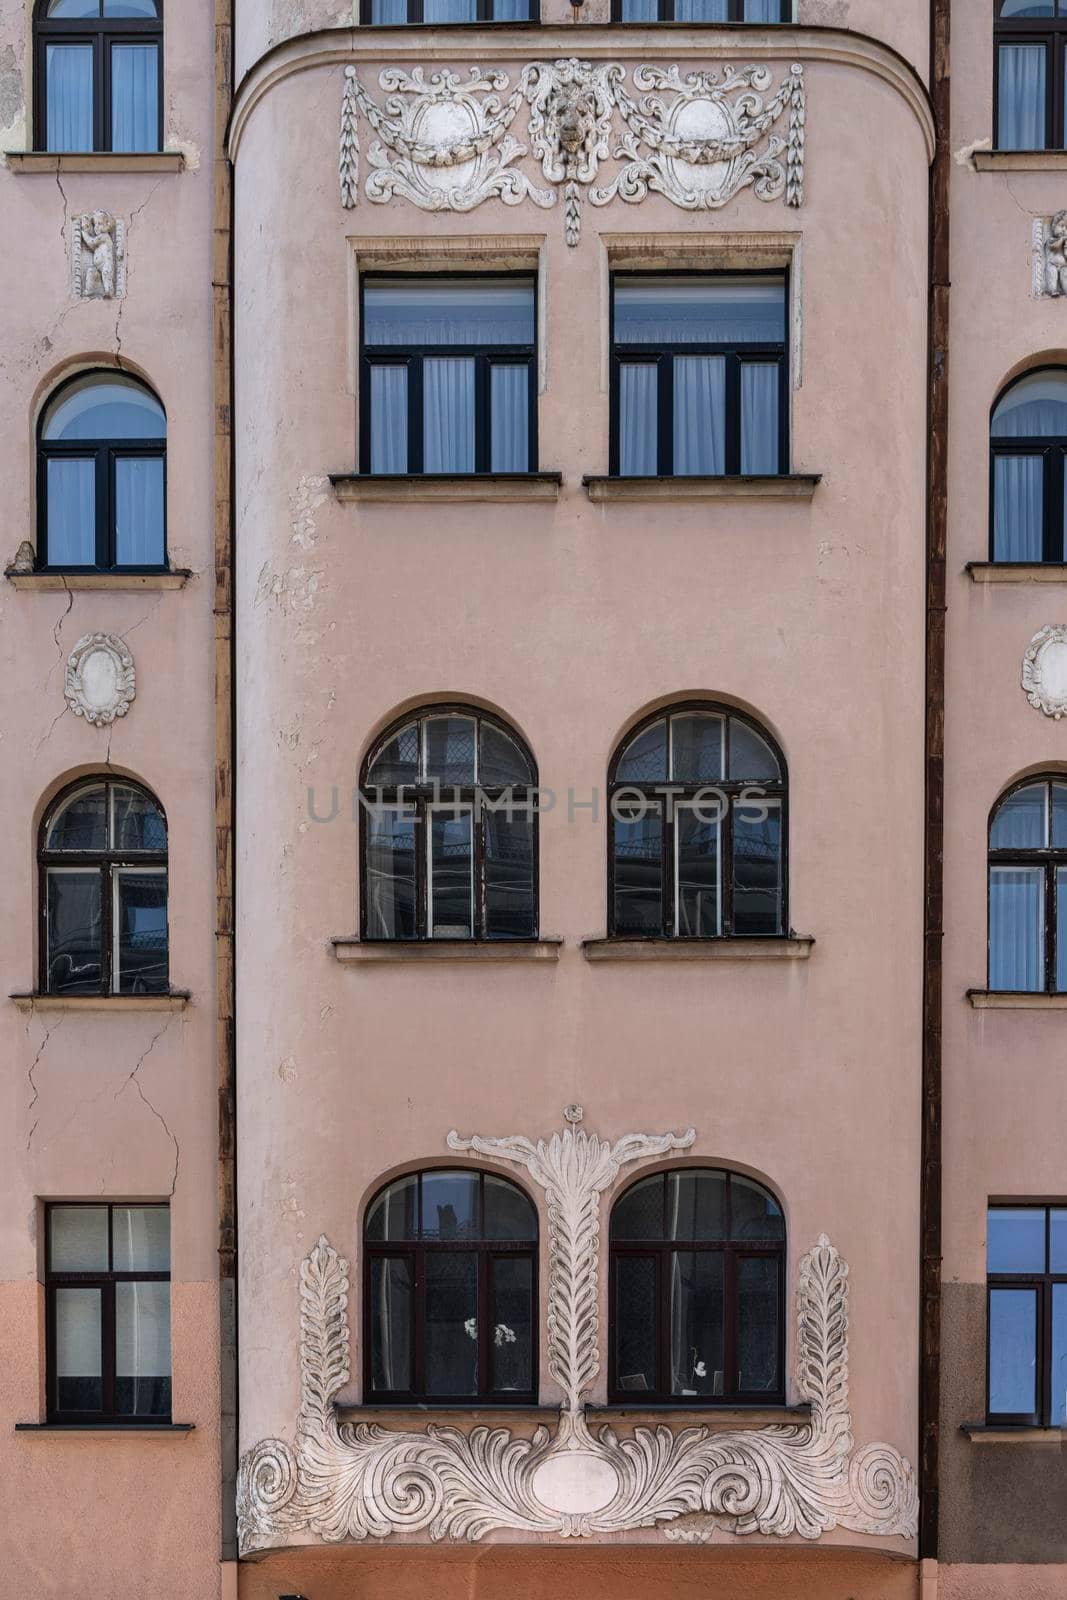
x: 936, y: 531
x: 222, y: 337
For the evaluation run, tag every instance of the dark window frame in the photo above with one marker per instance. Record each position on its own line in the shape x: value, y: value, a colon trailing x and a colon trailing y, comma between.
x: 107, y: 862
x: 486, y: 1252
x: 1043, y: 1283
x: 104, y: 452
x: 1052, y: 33
x: 1053, y: 449
x: 102, y: 33
x: 662, y: 357
x: 735, y: 14
x: 679, y: 792
x: 415, y: 17
x: 733, y: 1251
x: 105, y: 1282
x: 413, y: 356
x: 423, y: 795
x: 1051, y: 859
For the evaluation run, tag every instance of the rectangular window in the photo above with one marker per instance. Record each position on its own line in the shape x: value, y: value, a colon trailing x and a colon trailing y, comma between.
x: 638, y: 869
x: 450, y: 874
x: 69, y: 96
x: 1022, y: 106
x: 449, y: 375
x: 71, y: 500
x: 395, y: 13
x: 107, y: 1285
x: 703, y: 10
x: 1017, y: 928
x: 1026, y: 1266
x: 134, y: 97
x: 699, y: 375
x: 140, y: 511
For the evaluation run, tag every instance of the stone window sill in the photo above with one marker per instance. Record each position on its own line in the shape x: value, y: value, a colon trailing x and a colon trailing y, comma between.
x: 1017, y: 571
x: 736, y: 1416
x: 374, y: 951
x: 166, y: 1428
x: 456, y: 488
x: 1020, y: 160
x: 176, y: 1000
x: 1011, y: 1433
x: 56, y: 581
x: 779, y: 486
x: 796, y: 948
x: 94, y: 160
x: 1014, y: 1000
x: 416, y: 1408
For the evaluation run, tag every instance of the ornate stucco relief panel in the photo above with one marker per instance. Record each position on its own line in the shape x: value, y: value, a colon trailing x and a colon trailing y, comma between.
x: 1044, y: 677
x: 98, y: 256
x: 353, y: 1481
x: 100, y: 682
x: 448, y: 142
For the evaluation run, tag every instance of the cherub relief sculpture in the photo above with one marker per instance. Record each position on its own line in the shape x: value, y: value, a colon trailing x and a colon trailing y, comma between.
x: 98, y: 256
x: 1055, y: 255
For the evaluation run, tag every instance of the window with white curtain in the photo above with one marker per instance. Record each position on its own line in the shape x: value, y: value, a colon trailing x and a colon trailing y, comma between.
x: 99, y: 75
x: 450, y: 1259
x: 699, y: 375
x: 107, y: 1289
x: 702, y: 10
x: 448, y: 375
x: 101, y: 489
x: 1028, y: 888
x: 1028, y: 445
x: 394, y: 13
x: 1030, y: 40
x: 1026, y: 1278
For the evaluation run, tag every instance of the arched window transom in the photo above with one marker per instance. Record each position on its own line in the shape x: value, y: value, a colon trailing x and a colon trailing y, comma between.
x: 99, y: 75
x: 697, y: 821
x: 103, y: 867
x: 449, y: 830
x: 1028, y: 441
x: 102, y: 477
x: 697, y: 1290
x: 450, y: 1290
x: 1028, y: 888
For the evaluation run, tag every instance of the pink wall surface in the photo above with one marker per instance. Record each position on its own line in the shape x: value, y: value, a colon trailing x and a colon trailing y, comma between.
x: 97, y: 1105
x: 572, y: 619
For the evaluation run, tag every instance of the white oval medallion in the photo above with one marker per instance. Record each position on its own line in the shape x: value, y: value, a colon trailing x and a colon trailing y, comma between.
x: 576, y: 1481
x: 1045, y: 670
x: 100, y: 682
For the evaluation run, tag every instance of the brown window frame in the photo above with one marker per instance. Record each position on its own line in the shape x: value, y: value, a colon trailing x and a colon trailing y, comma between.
x: 733, y: 1251
x: 415, y: 1250
x: 105, y: 1282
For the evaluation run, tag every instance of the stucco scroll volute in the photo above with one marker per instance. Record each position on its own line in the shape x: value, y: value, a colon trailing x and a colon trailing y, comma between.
x: 448, y: 143
x: 354, y: 1481
x: 1044, y: 677
x: 100, y: 682
x: 98, y: 256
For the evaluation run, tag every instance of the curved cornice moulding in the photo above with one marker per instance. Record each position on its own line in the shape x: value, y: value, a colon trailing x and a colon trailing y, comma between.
x: 379, y: 47
x: 352, y: 1481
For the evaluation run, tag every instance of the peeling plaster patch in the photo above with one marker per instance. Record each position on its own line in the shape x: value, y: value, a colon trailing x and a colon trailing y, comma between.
x: 290, y: 1206
x: 175, y: 144
x: 310, y: 493
x: 12, y: 106
x: 964, y: 156
x: 287, y: 1070
x: 293, y: 590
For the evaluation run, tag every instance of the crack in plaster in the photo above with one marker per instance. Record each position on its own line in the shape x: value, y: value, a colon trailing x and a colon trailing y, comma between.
x: 48, y: 1032
x: 135, y: 1080
x: 58, y: 629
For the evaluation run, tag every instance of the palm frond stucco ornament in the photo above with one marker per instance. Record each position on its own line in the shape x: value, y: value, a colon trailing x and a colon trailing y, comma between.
x: 345, y: 1481
x: 447, y: 143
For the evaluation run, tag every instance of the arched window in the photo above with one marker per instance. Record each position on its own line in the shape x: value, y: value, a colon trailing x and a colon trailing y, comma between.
x: 697, y: 828
x: 1028, y: 439
x: 449, y: 830
x: 103, y: 865
x: 450, y: 1290
x: 1030, y: 37
x: 101, y: 476
x: 697, y: 1290
x: 99, y: 74
x: 1028, y: 888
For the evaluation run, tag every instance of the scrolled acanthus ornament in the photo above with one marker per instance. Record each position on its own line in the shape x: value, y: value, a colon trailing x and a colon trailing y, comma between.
x: 698, y: 139
x: 356, y: 1481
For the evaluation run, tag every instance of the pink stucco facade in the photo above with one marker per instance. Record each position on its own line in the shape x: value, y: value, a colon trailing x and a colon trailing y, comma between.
x: 570, y: 614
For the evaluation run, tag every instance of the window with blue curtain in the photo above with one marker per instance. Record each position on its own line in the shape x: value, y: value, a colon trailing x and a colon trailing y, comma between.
x: 1028, y: 889
x: 1029, y: 45
x: 102, y: 477
x: 1028, y: 450
x: 702, y: 10
x: 99, y: 75
x: 395, y: 13
x: 1026, y: 1286
x: 448, y: 375
x: 699, y: 375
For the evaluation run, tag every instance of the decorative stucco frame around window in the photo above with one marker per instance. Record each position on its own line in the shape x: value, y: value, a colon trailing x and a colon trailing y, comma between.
x: 346, y: 1481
